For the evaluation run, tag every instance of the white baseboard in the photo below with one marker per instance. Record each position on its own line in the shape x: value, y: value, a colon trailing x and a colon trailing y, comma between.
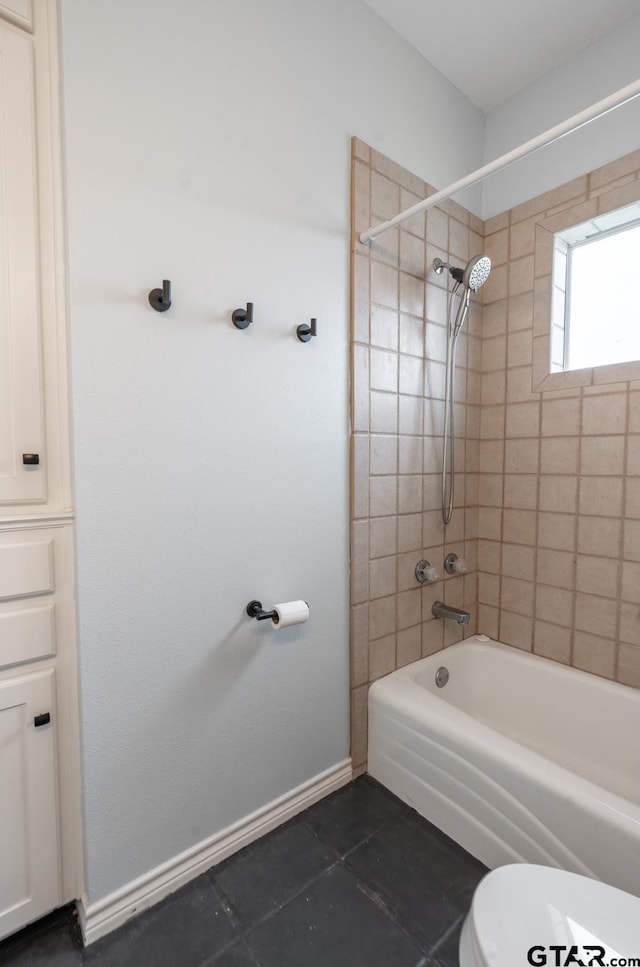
x: 98, y: 919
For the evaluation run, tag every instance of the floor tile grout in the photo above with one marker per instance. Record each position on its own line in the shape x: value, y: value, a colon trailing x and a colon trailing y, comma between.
x: 380, y: 903
x: 245, y: 929
x: 445, y: 936
x: 362, y: 818
x: 227, y: 906
x: 360, y: 843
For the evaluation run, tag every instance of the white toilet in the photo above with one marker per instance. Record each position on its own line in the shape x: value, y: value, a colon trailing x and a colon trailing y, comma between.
x: 538, y: 915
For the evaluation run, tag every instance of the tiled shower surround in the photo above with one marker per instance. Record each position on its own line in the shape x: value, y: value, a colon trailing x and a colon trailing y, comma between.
x: 398, y: 385
x: 547, y: 510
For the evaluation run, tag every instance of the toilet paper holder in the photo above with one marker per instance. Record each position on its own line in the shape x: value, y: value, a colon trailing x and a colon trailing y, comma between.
x: 255, y: 610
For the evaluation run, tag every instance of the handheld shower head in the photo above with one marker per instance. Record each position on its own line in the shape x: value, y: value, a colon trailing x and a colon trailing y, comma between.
x: 477, y: 272
x: 472, y: 277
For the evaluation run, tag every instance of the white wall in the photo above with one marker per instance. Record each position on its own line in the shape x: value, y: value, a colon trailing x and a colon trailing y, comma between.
x: 596, y: 72
x: 208, y: 143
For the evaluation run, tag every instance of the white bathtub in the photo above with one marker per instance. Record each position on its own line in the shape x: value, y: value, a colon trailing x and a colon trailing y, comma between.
x: 517, y: 758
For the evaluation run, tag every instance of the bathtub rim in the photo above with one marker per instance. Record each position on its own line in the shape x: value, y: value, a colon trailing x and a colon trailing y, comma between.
x: 480, y: 642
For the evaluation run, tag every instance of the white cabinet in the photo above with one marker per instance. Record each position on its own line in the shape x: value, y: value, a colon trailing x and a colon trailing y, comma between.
x: 18, y: 11
x: 30, y: 879
x: 38, y: 789
x: 34, y: 592
x: 34, y: 425
x: 21, y: 385
x: 40, y: 827
x: 33, y: 607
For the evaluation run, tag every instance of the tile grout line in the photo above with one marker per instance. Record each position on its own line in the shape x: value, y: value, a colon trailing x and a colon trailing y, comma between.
x: 337, y: 862
x: 445, y: 936
x: 382, y: 906
x: 246, y: 929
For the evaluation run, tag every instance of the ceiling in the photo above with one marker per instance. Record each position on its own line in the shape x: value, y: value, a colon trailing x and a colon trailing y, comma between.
x: 492, y: 49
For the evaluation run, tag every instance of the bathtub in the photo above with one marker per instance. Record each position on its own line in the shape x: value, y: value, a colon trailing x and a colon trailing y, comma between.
x: 517, y: 758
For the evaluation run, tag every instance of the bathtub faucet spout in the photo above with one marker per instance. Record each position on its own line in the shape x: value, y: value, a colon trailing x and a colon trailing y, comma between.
x: 441, y: 610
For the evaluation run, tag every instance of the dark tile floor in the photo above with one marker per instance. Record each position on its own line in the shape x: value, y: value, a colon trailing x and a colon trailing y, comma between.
x: 357, y: 879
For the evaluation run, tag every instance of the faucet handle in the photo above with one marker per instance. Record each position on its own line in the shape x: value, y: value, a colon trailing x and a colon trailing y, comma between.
x: 454, y: 564
x: 425, y: 573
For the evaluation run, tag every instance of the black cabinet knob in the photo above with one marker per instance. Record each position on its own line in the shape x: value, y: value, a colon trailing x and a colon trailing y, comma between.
x: 43, y: 719
x: 30, y: 459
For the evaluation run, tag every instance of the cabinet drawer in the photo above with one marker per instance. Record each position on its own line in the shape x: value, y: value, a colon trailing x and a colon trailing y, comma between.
x: 36, y: 582
x: 25, y: 568
x: 27, y: 634
x: 20, y: 12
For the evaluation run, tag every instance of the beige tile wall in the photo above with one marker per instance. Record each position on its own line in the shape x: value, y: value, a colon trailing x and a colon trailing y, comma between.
x: 548, y: 499
x: 559, y: 515
x: 398, y: 365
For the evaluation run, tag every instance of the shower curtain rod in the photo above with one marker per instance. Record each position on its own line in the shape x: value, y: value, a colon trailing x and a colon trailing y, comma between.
x: 547, y: 137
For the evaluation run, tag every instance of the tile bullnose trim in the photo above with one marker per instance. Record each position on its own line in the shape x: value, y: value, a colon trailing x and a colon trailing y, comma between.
x: 100, y: 918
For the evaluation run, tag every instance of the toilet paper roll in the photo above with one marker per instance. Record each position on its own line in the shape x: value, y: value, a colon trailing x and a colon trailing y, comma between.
x: 290, y: 613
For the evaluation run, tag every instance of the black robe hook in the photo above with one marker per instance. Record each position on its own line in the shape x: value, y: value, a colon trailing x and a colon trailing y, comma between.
x: 160, y: 299
x: 241, y: 318
x: 304, y: 333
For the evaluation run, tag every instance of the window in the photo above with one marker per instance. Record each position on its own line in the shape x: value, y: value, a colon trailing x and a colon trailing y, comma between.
x: 595, y: 309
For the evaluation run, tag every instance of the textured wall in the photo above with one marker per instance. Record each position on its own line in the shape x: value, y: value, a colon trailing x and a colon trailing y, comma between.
x: 398, y: 378
x: 548, y: 480
x: 208, y: 143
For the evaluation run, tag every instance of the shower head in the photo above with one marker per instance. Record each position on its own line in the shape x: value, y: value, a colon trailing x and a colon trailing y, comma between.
x: 477, y: 272
x: 473, y: 276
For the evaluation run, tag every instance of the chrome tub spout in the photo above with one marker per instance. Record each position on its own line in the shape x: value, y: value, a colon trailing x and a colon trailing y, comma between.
x: 441, y: 610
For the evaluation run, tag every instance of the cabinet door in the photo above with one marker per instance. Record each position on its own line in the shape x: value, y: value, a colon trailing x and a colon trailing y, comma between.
x: 29, y: 868
x: 21, y: 387
x: 20, y: 11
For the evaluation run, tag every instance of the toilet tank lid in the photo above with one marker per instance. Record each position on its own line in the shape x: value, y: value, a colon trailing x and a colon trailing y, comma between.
x: 521, y: 906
